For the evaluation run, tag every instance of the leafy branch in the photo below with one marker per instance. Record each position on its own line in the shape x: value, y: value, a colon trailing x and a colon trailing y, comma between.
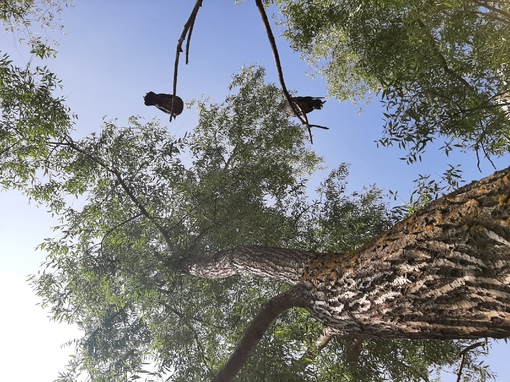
x: 129, y: 192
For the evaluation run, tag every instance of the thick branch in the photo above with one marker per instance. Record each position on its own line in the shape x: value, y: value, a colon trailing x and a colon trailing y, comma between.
x: 277, y: 263
x: 294, y: 297
x: 354, y: 353
x: 442, y: 273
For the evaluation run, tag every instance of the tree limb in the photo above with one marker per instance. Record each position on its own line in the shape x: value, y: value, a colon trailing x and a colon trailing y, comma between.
x: 187, y: 31
x: 501, y: 12
x: 282, y: 264
x: 313, y: 351
x: 295, y: 108
x: 354, y: 353
x: 294, y: 297
x: 463, y: 357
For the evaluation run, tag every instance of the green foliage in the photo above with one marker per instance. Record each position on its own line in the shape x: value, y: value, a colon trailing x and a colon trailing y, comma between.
x: 397, y: 361
x: 26, y: 17
x: 133, y: 201
x: 441, y: 68
x: 147, y: 199
x: 347, y: 221
x: 30, y: 117
x: 427, y: 189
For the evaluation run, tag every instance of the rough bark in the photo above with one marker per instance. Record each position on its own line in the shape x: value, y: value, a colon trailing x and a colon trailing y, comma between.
x: 442, y: 273
x: 281, y: 264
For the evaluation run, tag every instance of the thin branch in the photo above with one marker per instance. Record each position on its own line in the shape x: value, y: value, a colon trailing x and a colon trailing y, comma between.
x: 295, y: 108
x: 442, y: 60
x: 269, y: 312
x: 501, y: 12
x: 70, y: 142
x: 183, y: 317
x: 111, y: 230
x: 188, y: 29
x: 463, y: 357
x: 313, y: 351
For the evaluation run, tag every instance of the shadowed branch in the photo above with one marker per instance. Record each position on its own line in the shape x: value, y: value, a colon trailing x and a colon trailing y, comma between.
x: 295, y: 108
x: 187, y: 31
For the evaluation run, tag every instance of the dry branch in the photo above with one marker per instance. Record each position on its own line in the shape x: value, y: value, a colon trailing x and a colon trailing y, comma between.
x: 187, y: 31
x: 295, y: 108
x: 463, y: 357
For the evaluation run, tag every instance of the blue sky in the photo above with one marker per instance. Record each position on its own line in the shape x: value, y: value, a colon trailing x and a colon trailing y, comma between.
x: 116, y: 51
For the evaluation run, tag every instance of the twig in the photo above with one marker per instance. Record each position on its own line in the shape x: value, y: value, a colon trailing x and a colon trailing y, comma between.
x: 111, y: 230
x: 320, y: 127
x: 295, y: 108
x: 501, y: 12
x: 463, y: 357
x: 188, y: 29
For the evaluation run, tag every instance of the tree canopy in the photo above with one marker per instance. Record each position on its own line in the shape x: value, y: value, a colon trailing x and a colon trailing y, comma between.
x: 138, y: 205
x: 148, y: 200
x: 439, y: 67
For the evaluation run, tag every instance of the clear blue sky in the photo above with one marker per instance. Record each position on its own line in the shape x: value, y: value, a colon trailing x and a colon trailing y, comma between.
x: 116, y: 51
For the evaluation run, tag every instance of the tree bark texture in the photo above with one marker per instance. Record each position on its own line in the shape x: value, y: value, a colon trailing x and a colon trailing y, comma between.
x: 442, y: 273
x: 281, y: 264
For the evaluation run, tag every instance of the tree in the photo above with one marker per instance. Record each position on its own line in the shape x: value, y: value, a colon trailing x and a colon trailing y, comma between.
x: 158, y: 216
x: 440, y: 68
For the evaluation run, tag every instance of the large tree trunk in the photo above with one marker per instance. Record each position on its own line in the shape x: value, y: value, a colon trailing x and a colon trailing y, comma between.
x: 442, y: 273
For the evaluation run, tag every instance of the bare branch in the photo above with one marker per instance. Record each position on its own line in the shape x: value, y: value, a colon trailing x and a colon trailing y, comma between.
x: 463, y: 357
x: 295, y: 108
x: 188, y: 29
